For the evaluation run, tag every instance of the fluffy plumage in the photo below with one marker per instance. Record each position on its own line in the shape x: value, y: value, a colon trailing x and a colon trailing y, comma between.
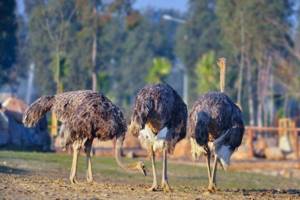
x: 86, y: 115
x: 159, y: 120
x: 212, y: 115
x: 160, y: 106
x: 216, y: 124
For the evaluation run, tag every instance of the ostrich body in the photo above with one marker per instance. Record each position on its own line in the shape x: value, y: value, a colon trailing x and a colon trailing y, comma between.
x: 215, y: 126
x: 159, y: 121
x: 86, y: 115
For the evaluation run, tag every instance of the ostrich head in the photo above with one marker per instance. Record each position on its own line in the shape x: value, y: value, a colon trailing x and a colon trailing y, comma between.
x: 140, y: 166
x: 134, y: 128
x: 36, y: 110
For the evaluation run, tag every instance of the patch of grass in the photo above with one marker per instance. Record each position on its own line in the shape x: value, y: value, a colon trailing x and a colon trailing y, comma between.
x: 181, y: 176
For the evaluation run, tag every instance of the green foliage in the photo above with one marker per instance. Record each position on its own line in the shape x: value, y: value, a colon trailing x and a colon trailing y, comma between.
x: 199, y: 34
x: 257, y: 34
x: 160, y: 68
x: 50, y: 38
x: 207, y: 73
x: 135, y: 47
x: 127, y: 42
x: 103, y: 81
x: 266, y: 25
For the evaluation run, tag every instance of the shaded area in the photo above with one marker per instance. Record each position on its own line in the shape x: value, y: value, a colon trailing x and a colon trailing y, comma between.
x: 13, y: 134
x: 12, y: 170
x: 246, y: 192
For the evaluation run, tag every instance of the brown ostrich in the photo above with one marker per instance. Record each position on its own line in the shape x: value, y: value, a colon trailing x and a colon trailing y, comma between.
x: 86, y: 115
x: 215, y: 126
x: 159, y: 120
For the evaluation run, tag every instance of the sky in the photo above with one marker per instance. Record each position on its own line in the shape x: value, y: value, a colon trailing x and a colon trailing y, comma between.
x: 20, y: 6
x: 180, y: 5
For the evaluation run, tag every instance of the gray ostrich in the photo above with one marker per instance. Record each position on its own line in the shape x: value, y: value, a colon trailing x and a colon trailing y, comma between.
x: 86, y: 115
x: 215, y: 126
x: 159, y: 121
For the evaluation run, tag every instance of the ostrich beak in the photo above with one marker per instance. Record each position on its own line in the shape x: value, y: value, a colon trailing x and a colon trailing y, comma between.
x: 142, y: 168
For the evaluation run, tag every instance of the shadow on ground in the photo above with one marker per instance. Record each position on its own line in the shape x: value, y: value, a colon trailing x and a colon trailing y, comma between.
x: 11, y: 170
x: 270, y: 191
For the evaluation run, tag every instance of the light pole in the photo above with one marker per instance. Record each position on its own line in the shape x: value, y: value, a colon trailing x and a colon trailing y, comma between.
x: 170, y: 18
x: 184, y: 69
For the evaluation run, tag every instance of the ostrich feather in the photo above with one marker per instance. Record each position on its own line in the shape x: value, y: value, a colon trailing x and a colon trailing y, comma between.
x: 215, y: 120
x: 159, y: 115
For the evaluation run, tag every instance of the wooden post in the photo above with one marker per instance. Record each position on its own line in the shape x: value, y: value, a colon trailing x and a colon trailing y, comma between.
x: 59, y: 89
x: 294, y: 139
x: 297, y: 145
x: 53, y: 124
x: 249, y: 142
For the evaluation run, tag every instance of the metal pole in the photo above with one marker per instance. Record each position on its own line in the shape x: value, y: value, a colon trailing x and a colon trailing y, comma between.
x: 185, y: 86
x: 185, y: 71
x: 30, y: 83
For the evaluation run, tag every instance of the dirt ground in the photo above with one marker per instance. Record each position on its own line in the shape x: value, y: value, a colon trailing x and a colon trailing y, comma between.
x: 22, y: 178
x: 53, y: 186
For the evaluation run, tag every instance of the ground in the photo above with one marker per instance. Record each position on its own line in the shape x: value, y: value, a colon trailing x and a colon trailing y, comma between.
x: 26, y: 175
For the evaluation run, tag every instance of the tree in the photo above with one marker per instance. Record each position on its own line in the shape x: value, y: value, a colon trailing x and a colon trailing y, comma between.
x: 159, y: 70
x: 8, y: 39
x: 197, y: 36
x: 263, y: 27
x: 149, y: 38
x: 207, y: 73
x: 50, y: 37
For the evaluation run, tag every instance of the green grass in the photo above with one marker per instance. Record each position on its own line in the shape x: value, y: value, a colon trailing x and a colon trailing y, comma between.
x: 180, y: 175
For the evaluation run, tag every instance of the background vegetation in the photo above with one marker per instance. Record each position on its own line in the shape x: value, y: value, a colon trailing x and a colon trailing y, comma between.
x: 111, y: 47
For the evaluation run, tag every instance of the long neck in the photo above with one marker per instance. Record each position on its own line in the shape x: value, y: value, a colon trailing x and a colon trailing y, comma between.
x: 138, y: 166
x: 222, y: 65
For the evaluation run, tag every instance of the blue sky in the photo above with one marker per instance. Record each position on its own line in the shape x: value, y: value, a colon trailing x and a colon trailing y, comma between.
x: 180, y: 5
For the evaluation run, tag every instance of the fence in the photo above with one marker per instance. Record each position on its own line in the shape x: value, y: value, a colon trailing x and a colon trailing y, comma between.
x: 252, y: 130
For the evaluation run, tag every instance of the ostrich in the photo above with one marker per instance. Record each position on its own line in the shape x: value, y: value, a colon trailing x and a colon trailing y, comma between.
x: 86, y: 115
x: 215, y: 126
x: 159, y: 121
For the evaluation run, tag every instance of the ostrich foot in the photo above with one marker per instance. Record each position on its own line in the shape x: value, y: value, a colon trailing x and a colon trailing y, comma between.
x: 89, y: 180
x: 165, y: 186
x: 212, y: 187
x: 153, y: 188
x: 73, y: 180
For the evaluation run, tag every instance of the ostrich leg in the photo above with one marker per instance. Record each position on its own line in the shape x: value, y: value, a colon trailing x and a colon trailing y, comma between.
x: 154, y: 186
x: 164, y: 181
x: 208, y: 165
x: 212, y: 181
x: 76, y: 149
x: 88, y: 149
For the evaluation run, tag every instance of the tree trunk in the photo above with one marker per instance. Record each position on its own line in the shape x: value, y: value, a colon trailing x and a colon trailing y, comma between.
x: 94, y: 74
x: 250, y: 95
x: 259, y: 113
x: 285, y: 106
x: 240, y: 84
x: 59, y: 85
x: 94, y: 55
x: 272, y: 108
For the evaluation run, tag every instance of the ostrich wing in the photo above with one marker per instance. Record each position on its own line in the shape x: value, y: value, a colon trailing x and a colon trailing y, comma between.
x: 222, y: 150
